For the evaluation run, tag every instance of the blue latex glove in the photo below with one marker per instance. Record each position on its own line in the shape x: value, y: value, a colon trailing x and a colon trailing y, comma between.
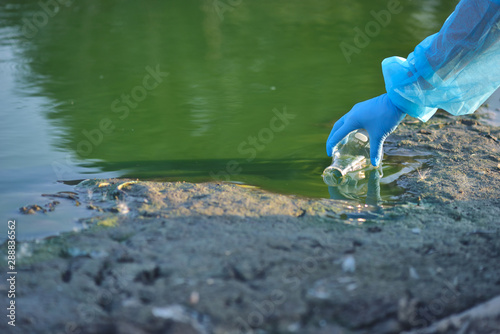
x: 378, y: 116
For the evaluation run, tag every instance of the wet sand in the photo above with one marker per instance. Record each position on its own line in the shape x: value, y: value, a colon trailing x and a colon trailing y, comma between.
x: 223, y: 258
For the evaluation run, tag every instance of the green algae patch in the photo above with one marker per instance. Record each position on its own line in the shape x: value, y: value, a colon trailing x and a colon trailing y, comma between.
x: 108, y: 222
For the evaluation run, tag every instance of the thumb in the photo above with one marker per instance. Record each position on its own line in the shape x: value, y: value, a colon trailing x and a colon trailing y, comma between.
x: 336, y: 137
x: 376, y: 150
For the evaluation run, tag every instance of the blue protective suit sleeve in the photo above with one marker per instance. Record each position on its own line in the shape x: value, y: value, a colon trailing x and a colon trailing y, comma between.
x: 456, y: 69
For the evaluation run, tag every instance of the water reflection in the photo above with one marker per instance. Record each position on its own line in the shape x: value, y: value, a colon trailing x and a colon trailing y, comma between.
x: 376, y: 187
x: 357, y: 186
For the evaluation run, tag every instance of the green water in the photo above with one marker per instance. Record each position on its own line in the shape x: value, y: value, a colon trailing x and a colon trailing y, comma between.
x: 78, y: 98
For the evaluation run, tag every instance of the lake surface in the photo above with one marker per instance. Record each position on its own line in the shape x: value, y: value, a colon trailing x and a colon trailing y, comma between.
x: 242, y: 91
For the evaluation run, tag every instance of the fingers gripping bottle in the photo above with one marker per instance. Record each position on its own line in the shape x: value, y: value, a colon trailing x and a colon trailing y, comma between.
x: 351, y: 154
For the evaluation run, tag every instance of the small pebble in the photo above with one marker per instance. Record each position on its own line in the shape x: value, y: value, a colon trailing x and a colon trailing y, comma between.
x: 194, y: 298
x: 415, y: 230
x: 319, y: 291
x: 413, y: 273
x: 349, y: 264
x: 31, y: 209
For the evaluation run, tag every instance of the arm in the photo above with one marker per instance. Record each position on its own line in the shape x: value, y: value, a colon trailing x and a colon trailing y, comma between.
x: 456, y: 69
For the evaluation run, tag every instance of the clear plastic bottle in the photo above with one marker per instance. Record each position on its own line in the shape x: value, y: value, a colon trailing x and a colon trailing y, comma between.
x: 349, y: 155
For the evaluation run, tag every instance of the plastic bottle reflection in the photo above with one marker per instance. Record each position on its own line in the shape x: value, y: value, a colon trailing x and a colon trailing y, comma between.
x: 356, y: 186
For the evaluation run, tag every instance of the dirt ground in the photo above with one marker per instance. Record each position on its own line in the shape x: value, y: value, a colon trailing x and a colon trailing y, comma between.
x: 222, y: 258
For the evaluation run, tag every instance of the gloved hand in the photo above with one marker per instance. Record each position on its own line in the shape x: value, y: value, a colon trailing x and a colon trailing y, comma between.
x: 378, y: 116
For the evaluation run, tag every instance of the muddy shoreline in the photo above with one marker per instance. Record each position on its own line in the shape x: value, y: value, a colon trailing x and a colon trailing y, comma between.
x: 222, y: 258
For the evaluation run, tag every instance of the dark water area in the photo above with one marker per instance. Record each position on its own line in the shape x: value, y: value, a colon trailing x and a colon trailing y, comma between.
x: 239, y: 91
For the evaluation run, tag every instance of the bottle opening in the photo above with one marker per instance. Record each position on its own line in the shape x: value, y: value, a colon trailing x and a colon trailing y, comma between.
x: 332, y: 176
